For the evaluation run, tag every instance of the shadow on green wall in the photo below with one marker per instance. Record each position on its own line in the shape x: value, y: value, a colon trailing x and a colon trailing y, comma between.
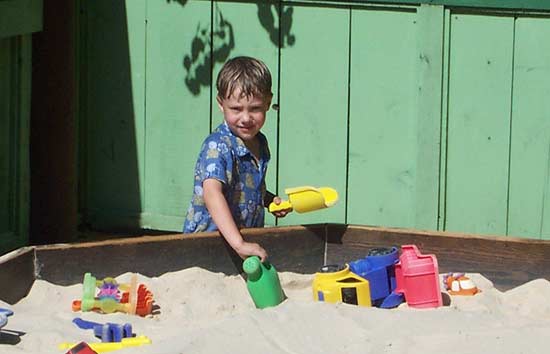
x: 198, y: 62
x: 272, y: 25
x: 214, y: 43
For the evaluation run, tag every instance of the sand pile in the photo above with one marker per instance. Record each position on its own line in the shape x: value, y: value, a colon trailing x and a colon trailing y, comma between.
x: 204, y: 312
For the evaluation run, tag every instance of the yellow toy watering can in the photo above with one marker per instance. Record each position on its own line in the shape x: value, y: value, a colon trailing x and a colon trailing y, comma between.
x: 306, y: 198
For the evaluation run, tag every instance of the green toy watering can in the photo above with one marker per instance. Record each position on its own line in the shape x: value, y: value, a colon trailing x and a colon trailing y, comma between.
x: 263, y: 283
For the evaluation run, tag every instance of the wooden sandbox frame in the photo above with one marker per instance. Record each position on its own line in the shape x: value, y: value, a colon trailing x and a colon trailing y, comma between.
x: 506, y: 261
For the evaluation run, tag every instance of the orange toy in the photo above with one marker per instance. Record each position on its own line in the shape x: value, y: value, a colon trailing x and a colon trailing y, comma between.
x: 460, y: 284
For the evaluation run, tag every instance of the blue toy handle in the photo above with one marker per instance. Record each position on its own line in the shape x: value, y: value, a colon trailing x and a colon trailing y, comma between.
x: 392, y: 300
x: 4, y: 314
x: 108, y: 332
x: 113, y: 332
x: 83, y: 324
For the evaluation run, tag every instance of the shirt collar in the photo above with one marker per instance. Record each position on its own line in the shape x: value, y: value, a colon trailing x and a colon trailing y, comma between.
x: 241, y: 148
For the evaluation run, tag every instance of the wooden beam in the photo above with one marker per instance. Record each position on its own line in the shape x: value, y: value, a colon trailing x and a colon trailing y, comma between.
x: 53, y: 210
x: 296, y: 249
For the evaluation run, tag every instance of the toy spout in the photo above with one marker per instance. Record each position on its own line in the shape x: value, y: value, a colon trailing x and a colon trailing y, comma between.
x: 252, y: 268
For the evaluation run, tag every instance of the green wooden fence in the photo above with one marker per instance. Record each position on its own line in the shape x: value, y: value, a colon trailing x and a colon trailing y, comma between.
x: 421, y: 116
x: 18, y: 19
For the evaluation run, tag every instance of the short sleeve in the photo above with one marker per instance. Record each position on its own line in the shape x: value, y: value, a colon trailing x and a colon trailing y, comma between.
x: 215, y: 161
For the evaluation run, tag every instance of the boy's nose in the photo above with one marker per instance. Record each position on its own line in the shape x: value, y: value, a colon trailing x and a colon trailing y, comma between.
x: 246, y: 117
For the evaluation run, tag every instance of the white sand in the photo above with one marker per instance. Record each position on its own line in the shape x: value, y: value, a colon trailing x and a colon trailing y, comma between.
x: 204, y: 312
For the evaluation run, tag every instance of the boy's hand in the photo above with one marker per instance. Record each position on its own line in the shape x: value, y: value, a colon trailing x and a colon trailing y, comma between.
x: 246, y: 249
x: 280, y: 213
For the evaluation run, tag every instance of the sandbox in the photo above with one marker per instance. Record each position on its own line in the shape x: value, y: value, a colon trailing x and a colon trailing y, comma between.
x: 203, y: 305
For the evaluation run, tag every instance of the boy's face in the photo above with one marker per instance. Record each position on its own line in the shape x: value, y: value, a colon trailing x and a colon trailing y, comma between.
x: 245, y: 116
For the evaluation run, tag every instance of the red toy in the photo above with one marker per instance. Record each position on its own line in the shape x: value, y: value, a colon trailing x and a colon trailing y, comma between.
x: 417, y: 278
x: 81, y: 348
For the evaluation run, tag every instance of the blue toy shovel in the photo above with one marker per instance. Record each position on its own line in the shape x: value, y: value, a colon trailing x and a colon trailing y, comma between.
x: 108, y: 332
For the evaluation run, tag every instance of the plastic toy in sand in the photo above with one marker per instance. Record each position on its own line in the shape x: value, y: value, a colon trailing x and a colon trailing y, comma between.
x: 107, y: 332
x: 306, y: 198
x: 263, y: 283
x: 417, y: 278
x: 378, y: 267
x: 102, y: 347
x: 111, y: 297
x: 4, y: 314
x: 81, y: 348
x: 335, y: 283
x: 459, y: 284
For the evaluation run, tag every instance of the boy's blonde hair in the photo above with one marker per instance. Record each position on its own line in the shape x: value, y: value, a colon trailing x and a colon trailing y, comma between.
x: 248, y: 74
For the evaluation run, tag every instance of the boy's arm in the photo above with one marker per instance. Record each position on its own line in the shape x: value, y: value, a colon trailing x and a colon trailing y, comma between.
x: 218, y: 208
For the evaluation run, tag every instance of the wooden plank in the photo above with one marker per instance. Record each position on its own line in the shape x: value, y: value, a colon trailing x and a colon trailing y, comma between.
x: 178, y: 107
x: 480, y: 73
x: 22, y: 184
x: 530, y: 150
x: 54, y: 93
x: 295, y: 249
x: 15, y: 78
x: 430, y: 36
x: 19, y: 17
x: 6, y: 143
x: 115, y: 107
x: 313, y: 111
x: 506, y: 261
x: 482, y: 4
x: 16, y: 274
x: 383, y: 123
x: 258, y: 37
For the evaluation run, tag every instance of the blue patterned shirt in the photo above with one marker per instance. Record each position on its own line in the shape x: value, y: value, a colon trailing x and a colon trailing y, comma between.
x: 224, y: 157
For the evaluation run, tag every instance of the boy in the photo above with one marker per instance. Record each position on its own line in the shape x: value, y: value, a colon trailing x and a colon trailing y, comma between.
x: 229, y: 191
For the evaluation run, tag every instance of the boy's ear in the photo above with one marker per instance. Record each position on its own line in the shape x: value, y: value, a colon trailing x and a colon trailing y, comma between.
x: 220, y: 103
x: 268, y: 102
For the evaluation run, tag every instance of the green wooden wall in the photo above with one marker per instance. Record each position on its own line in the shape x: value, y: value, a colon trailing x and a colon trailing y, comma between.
x: 18, y: 19
x: 421, y: 116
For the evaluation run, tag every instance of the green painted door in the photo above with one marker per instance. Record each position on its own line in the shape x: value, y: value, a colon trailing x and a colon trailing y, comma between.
x: 112, y: 87
x: 529, y: 204
x: 383, y: 118
x: 177, y: 104
x: 419, y: 116
x: 479, y: 104
x: 314, y: 107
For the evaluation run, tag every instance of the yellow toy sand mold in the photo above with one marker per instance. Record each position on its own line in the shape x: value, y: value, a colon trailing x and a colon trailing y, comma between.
x: 102, y: 347
x: 306, y: 198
